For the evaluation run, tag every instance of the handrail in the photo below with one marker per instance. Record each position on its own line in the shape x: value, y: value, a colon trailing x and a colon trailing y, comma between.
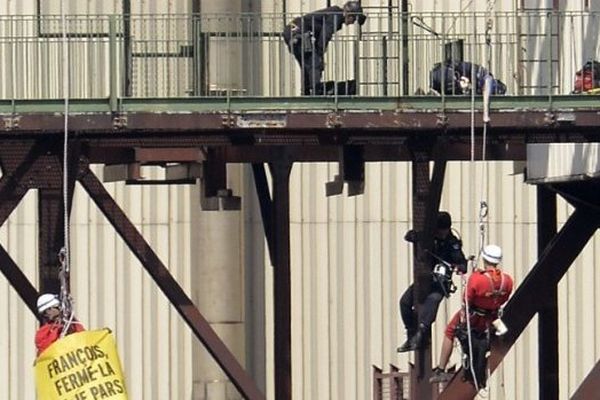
x: 243, y: 55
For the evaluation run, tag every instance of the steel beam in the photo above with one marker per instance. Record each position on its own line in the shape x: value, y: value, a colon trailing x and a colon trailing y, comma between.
x: 265, y: 203
x: 50, y: 238
x: 280, y: 173
x: 169, y: 286
x: 19, y: 281
x: 590, y: 387
x: 548, y: 365
x: 51, y: 221
x: 426, y: 199
x: 539, y: 283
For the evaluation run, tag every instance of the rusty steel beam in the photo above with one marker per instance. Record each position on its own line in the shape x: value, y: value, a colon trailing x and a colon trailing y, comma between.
x: 548, y: 364
x: 280, y: 219
x: 590, y: 387
x: 112, y: 151
x: 394, y: 120
x: 169, y: 286
x: 426, y: 199
x: 51, y: 221
x: 539, y: 283
x: 15, y: 166
x: 168, y: 154
x: 265, y: 205
x: 19, y: 282
x: 50, y: 238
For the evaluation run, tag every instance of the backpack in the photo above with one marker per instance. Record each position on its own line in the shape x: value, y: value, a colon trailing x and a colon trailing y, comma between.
x: 588, y: 77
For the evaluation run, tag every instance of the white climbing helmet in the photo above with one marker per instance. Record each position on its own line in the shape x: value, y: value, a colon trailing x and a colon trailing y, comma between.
x: 492, y: 254
x: 46, y: 301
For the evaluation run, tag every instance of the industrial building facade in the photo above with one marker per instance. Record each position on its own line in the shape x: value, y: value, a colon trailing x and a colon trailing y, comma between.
x: 349, y: 262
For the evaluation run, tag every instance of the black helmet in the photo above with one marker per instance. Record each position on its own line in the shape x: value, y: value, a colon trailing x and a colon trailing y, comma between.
x: 354, y: 8
x: 444, y: 221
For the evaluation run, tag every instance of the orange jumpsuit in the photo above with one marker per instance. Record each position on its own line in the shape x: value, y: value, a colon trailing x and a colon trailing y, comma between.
x: 50, y: 333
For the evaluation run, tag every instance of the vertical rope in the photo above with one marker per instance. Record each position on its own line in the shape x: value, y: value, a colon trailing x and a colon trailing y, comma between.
x: 66, y: 261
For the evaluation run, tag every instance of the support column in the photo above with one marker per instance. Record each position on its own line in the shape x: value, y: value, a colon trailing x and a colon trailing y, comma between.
x: 218, y: 289
x: 426, y: 200
x: 51, y: 226
x: 548, y: 314
x: 280, y: 172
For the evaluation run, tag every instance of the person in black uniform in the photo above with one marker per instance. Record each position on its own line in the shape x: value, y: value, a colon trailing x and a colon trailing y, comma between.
x: 307, y: 38
x: 446, y: 247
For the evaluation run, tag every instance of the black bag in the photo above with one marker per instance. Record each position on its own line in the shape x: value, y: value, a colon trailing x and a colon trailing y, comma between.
x: 480, y: 342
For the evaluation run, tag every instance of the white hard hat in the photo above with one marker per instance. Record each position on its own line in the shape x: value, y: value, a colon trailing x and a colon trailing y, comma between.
x: 492, y: 254
x: 46, y: 301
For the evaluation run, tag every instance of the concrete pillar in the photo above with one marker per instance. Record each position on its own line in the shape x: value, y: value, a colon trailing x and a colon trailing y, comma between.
x: 218, y: 290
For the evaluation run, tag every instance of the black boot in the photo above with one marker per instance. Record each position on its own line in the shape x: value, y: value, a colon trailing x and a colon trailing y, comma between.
x: 416, y: 341
x: 406, y: 346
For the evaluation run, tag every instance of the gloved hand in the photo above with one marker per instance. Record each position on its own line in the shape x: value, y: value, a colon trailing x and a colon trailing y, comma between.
x: 411, y: 236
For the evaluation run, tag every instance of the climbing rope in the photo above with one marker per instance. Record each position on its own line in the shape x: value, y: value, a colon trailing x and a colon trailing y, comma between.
x: 483, y: 205
x: 64, y: 255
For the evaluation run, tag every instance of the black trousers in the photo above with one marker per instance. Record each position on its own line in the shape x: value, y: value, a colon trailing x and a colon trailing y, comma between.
x: 311, y: 63
x: 428, y: 310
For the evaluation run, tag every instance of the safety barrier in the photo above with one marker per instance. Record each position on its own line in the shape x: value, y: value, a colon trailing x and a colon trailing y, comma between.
x: 392, y: 54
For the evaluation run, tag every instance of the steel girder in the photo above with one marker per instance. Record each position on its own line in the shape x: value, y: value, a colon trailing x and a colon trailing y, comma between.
x: 590, y: 387
x: 169, y: 286
x: 426, y: 199
x: 548, y: 365
x: 280, y: 219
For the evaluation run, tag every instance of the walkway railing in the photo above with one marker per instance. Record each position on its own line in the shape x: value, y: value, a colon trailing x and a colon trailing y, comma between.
x: 393, y: 54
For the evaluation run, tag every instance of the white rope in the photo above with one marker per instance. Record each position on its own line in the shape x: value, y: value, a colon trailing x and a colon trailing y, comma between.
x: 65, y: 295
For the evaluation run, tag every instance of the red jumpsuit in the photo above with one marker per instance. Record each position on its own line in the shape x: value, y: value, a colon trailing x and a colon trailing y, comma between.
x: 50, y: 333
x: 486, y: 292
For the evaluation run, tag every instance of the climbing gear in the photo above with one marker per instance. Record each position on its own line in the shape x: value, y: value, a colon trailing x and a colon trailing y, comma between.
x: 475, y: 347
x: 438, y: 375
x: 442, y: 274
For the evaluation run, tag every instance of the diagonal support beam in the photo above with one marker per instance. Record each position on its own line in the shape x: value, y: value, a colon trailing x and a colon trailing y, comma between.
x: 590, y: 387
x: 169, y: 286
x: 539, y: 283
x: 265, y: 203
x: 18, y: 281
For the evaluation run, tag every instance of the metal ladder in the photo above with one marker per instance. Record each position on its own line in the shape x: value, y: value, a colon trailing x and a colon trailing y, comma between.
x: 538, y: 41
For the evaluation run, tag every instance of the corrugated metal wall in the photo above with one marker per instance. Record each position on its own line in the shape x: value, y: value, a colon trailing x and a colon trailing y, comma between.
x: 350, y: 265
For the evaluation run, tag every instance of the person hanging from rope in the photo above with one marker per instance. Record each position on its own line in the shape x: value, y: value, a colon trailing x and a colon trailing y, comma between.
x: 487, y: 290
x: 447, y: 256
x: 307, y: 38
x: 53, y: 327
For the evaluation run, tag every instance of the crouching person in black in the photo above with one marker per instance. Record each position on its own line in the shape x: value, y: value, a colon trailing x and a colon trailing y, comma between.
x: 307, y: 38
x: 446, y: 247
